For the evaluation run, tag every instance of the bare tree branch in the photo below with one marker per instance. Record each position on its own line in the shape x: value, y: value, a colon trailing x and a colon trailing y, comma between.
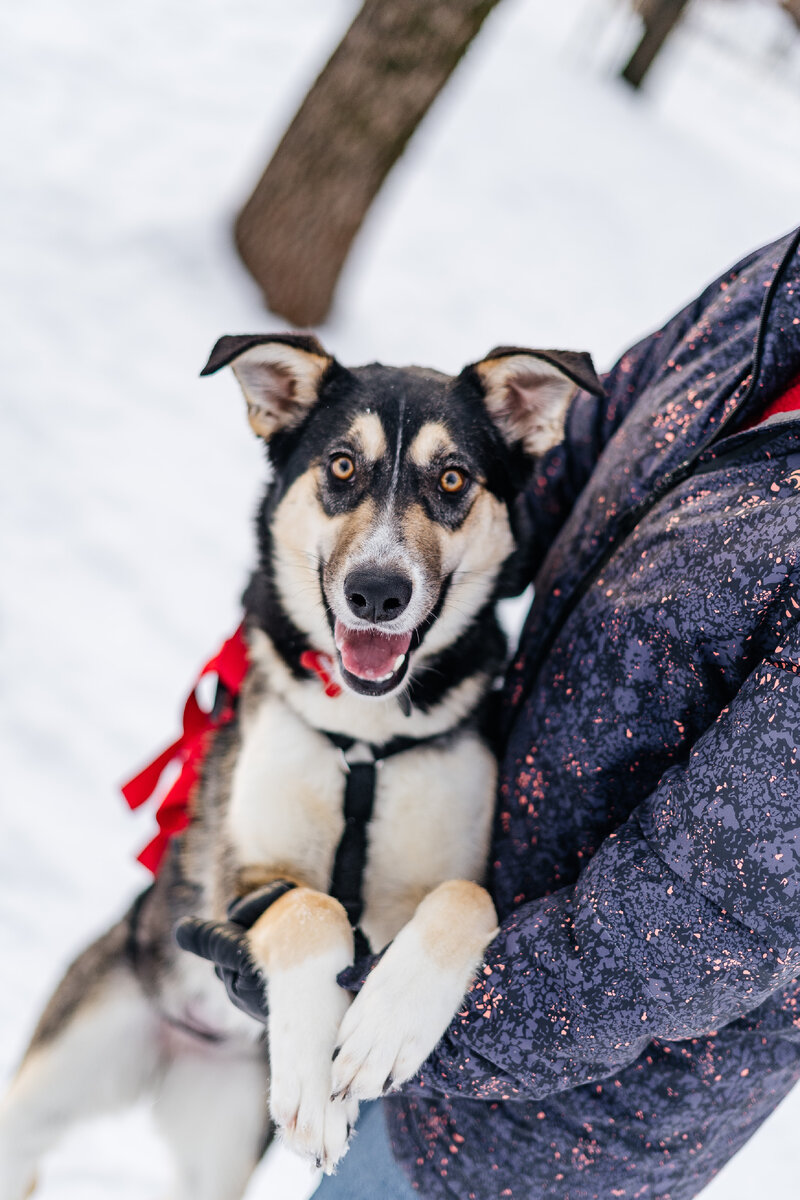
x: 660, y: 18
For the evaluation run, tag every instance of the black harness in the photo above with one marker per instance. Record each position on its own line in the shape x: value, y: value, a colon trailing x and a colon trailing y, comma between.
x: 361, y: 762
x: 225, y: 944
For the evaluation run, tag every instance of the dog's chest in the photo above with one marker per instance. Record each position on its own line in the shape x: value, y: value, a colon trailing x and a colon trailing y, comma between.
x: 430, y: 821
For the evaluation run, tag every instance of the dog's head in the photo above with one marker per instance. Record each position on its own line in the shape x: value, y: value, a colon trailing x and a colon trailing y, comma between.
x: 388, y: 519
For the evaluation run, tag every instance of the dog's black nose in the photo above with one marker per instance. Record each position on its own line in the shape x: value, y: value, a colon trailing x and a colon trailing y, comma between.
x: 376, y: 595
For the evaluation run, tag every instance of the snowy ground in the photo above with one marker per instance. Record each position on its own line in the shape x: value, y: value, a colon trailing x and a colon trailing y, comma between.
x: 541, y: 203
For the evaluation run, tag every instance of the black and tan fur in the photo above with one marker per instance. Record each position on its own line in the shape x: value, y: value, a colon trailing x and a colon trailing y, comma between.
x: 423, y: 524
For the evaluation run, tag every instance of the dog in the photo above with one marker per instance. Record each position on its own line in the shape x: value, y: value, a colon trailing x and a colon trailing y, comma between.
x: 388, y: 532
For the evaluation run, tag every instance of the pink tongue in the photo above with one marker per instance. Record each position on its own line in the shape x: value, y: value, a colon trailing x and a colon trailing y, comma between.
x: 367, y: 653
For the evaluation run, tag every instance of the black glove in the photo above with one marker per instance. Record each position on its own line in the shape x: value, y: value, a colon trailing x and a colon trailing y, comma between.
x: 224, y: 943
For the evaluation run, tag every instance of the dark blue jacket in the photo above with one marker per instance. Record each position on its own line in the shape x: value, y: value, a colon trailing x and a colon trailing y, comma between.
x: 646, y: 856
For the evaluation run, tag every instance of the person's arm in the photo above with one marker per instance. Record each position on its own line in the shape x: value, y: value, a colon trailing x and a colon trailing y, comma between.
x: 686, y: 918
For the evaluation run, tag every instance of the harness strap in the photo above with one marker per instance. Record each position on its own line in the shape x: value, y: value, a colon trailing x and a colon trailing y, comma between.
x: 361, y: 761
x: 347, y: 876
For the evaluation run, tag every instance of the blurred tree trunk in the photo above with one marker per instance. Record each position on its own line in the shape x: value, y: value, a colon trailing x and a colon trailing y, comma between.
x: 295, y: 231
x: 660, y: 18
x: 792, y: 7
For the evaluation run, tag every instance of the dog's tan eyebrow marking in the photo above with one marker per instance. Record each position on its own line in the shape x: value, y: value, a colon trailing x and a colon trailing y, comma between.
x: 432, y: 440
x: 367, y: 430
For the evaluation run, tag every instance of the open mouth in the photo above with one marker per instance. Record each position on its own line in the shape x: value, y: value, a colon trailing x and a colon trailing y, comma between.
x: 372, y: 663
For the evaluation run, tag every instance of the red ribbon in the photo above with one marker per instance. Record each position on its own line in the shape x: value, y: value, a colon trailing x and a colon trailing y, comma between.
x: 230, y: 665
x: 322, y: 666
x: 173, y: 814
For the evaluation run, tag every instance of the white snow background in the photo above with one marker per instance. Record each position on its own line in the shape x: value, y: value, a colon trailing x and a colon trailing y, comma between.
x: 541, y: 203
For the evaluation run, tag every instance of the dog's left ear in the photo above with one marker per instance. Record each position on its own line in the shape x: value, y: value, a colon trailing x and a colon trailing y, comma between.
x: 279, y: 374
x: 527, y: 392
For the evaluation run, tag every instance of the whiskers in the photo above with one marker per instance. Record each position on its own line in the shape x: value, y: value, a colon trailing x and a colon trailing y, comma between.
x: 312, y: 583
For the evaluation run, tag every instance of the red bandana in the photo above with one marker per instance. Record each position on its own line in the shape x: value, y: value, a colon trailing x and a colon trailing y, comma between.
x: 173, y: 814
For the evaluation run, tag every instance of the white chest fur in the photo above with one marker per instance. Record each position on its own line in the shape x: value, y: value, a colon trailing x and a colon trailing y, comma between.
x: 431, y: 817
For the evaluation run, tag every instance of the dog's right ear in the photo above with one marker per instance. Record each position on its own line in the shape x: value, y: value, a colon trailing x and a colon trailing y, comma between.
x: 527, y: 392
x: 279, y: 374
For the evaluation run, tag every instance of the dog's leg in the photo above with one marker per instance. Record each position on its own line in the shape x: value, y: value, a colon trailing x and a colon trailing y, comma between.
x: 95, y: 1048
x: 413, y: 993
x: 301, y: 943
x: 211, y: 1108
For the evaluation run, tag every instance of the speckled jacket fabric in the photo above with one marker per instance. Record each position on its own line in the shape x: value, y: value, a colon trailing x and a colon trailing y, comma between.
x: 638, y: 1015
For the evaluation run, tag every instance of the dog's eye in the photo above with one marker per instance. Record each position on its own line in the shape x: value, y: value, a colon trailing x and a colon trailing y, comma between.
x: 452, y: 481
x: 342, y: 467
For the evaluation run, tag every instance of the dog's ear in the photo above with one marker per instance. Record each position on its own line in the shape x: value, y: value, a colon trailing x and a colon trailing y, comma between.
x: 279, y: 374
x: 527, y: 392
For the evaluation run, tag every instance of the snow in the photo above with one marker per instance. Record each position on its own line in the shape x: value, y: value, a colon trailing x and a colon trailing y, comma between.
x: 540, y: 203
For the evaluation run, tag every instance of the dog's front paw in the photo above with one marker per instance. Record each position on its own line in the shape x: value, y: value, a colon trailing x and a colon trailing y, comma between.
x: 393, y: 1024
x: 305, y: 1008
x: 388, y: 1032
x: 312, y: 1124
x: 301, y: 943
x: 413, y: 993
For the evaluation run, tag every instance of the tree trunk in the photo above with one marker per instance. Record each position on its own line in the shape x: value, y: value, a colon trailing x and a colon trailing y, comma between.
x: 295, y: 231
x: 660, y: 18
x: 792, y: 8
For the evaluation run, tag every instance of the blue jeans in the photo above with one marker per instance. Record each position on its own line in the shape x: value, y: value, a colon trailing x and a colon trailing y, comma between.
x: 368, y: 1169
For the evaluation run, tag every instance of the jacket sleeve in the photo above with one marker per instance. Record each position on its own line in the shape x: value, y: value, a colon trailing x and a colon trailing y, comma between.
x: 686, y: 918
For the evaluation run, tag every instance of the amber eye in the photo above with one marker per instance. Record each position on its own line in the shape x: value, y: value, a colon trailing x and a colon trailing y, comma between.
x: 342, y: 467
x: 452, y: 481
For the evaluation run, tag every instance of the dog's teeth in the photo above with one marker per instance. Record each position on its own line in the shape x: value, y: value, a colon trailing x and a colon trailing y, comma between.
x: 398, y: 662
